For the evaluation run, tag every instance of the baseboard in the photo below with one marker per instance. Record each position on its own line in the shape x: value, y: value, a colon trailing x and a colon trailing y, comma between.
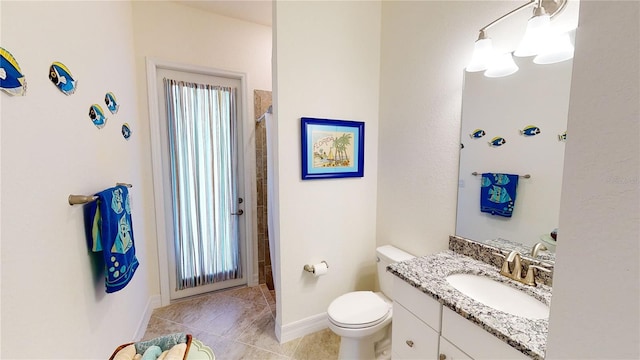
x: 155, y: 301
x: 302, y: 327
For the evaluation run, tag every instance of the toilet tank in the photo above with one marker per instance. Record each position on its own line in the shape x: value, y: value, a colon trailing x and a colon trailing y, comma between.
x: 388, y: 255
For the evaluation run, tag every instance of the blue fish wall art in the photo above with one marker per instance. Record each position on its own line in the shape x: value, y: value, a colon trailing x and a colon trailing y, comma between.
x: 477, y: 134
x: 126, y: 131
x: 111, y: 102
x: 61, y: 77
x: 12, y: 80
x: 530, y: 130
x: 562, y: 137
x: 497, y: 141
x: 97, y: 116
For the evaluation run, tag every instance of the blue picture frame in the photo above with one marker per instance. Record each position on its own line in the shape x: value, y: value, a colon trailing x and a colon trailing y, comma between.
x: 332, y: 148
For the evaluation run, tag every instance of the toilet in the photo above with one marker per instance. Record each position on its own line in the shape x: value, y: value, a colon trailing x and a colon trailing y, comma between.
x: 362, y: 318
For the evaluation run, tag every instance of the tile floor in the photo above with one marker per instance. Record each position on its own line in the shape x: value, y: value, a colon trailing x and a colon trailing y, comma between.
x: 239, y: 324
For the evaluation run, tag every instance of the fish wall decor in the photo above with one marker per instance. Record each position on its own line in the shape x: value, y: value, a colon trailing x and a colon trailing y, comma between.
x: 562, y: 137
x: 497, y: 141
x: 530, y: 130
x: 477, y: 134
x: 126, y: 131
x: 111, y: 102
x: 12, y: 80
x: 97, y: 116
x: 61, y: 77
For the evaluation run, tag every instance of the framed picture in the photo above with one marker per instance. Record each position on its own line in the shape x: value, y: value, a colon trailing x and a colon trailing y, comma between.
x: 332, y: 148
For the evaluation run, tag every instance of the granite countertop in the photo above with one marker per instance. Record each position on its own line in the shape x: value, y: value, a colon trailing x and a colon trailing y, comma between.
x: 428, y: 273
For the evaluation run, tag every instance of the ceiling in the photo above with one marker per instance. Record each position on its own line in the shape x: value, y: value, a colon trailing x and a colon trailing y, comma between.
x: 256, y: 11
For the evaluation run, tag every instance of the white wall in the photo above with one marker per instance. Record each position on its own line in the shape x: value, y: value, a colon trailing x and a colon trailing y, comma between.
x: 595, y: 312
x: 327, y: 66
x: 425, y: 47
x: 171, y: 32
x: 54, y: 303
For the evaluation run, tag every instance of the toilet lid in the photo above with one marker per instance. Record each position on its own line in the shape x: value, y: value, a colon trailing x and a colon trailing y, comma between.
x: 358, y: 309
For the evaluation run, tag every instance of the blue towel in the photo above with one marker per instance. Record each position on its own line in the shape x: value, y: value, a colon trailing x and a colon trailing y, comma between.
x: 498, y: 193
x: 109, y: 230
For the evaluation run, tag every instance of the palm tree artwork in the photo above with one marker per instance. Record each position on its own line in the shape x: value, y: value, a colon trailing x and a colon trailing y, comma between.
x: 333, y: 151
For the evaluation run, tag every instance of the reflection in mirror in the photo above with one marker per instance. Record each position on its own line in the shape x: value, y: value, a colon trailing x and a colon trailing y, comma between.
x: 514, y: 125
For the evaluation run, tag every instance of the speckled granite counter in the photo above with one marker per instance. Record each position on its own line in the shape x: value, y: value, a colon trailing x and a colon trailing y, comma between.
x: 428, y: 274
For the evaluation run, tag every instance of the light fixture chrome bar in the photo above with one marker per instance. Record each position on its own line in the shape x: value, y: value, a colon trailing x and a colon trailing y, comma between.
x: 507, y: 15
x: 552, y: 7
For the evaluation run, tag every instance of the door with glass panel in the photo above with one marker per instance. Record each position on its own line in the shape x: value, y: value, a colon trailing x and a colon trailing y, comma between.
x: 200, y: 129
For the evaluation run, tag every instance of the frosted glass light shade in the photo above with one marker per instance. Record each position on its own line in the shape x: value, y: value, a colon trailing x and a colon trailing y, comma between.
x: 482, y: 55
x: 503, y: 65
x: 557, y: 49
x: 535, y: 36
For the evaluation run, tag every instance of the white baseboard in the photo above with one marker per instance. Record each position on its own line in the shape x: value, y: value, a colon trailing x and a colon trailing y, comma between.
x: 155, y: 301
x: 302, y: 327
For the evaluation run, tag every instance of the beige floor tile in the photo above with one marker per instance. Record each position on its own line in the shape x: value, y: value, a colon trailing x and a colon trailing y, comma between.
x: 239, y: 324
x: 159, y: 327
x: 322, y: 345
x: 261, y: 334
x: 253, y: 293
x: 248, y: 352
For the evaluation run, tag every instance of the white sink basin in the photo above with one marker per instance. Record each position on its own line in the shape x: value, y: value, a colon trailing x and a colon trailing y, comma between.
x: 499, y: 296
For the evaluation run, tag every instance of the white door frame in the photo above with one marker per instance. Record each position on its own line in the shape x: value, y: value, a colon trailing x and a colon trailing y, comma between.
x: 161, y: 206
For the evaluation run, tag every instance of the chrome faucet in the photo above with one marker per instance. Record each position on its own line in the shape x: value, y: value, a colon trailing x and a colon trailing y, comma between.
x: 536, y: 248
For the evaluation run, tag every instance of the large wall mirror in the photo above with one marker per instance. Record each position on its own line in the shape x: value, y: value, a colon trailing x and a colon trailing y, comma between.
x: 524, y: 115
x: 528, y: 110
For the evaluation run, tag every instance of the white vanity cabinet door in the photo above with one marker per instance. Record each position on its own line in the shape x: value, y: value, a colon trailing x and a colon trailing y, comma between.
x: 411, y: 338
x: 449, y: 352
x: 475, y: 341
x: 420, y: 304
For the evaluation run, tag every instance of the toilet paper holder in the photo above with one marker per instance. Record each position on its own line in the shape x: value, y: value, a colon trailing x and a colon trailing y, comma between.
x: 312, y: 269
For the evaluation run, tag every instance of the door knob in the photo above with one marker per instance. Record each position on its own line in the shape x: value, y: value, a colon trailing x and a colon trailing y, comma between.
x: 410, y: 343
x: 240, y: 212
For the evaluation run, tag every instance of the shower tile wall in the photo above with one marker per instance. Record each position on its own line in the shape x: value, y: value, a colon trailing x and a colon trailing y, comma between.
x: 261, y: 102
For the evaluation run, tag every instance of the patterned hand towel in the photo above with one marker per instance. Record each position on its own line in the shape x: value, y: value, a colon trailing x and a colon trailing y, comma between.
x: 498, y: 193
x: 109, y: 230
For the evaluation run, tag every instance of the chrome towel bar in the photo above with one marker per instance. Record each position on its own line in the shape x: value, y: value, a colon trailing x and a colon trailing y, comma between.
x: 526, y: 176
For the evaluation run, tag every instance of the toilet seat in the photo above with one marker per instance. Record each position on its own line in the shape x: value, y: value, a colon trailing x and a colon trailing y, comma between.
x: 358, y: 309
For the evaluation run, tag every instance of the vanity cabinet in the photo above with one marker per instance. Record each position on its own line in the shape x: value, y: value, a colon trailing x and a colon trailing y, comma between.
x: 412, y: 338
x: 448, y: 351
x: 416, y: 323
x: 424, y: 329
x: 475, y: 341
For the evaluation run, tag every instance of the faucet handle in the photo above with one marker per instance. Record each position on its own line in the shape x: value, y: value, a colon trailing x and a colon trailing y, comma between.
x: 500, y: 254
x: 539, y: 268
x: 529, y: 279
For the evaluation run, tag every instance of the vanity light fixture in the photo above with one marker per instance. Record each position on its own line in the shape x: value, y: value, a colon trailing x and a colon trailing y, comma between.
x: 538, y: 41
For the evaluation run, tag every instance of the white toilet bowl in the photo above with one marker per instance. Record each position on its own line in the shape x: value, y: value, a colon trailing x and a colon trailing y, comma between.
x: 361, y: 319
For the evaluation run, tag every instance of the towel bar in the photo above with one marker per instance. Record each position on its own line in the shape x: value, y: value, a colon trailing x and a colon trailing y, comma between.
x: 83, y: 199
x: 526, y: 176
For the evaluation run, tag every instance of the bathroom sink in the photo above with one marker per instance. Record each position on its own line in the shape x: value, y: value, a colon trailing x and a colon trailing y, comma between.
x: 499, y: 296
